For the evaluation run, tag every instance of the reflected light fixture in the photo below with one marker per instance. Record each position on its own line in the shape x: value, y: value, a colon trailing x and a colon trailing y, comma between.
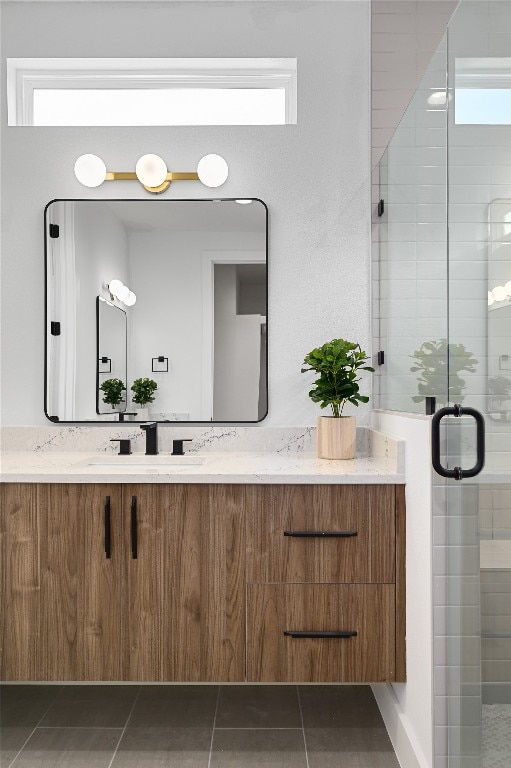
x: 151, y: 171
x: 121, y: 292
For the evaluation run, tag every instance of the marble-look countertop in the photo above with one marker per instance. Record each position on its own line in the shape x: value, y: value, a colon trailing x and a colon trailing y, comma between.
x: 215, y: 455
x: 247, y: 467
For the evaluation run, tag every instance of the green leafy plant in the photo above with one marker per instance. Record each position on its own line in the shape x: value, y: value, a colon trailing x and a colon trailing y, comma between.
x: 112, y: 391
x: 337, y: 363
x: 439, y: 365
x: 143, y: 390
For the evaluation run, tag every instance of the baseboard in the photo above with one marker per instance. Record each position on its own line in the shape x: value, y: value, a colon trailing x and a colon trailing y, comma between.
x: 407, y: 751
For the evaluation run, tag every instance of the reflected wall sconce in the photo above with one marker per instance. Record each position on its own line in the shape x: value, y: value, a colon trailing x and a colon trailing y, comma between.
x: 121, y: 292
x: 499, y: 293
x: 151, y: 171
x: 160, y: 364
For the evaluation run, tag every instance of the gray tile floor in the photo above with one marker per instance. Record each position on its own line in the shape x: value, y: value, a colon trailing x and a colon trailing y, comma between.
x: 113, y: 726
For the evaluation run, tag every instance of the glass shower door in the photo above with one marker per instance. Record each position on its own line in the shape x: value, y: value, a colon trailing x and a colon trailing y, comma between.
x: 476, y: 557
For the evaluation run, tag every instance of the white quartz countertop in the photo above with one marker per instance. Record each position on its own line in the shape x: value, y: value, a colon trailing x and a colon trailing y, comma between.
x: 207, y: 467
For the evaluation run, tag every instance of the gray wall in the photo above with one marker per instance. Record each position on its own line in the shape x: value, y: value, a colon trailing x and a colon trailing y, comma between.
x: 314, y: 176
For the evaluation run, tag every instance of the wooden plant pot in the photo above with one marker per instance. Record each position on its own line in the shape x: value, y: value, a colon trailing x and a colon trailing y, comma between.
x: 336, y: 437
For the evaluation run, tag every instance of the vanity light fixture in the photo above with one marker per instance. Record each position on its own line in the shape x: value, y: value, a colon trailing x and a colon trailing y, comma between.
x: 121, y: 292
x: 151, y: 171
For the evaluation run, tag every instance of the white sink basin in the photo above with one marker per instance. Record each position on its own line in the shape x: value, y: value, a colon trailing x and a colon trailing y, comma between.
x: 137, y: 462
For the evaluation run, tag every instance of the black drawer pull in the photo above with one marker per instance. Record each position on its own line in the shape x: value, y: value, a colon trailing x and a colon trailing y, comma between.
x: 134, y: 542
x: 108, y: 553
x: 299, y: 634
x: 321, y: 534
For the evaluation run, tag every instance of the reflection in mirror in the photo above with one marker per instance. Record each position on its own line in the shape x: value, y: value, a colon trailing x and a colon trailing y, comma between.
x: 111, y: 357
x: 499, y: 310
x: 194, y: 322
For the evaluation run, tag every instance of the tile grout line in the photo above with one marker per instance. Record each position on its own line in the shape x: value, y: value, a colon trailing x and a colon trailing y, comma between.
x: 213, y: 729
x: 303, y: 729
x: 35, y: 727
x: 79, y: 727
x: 257, y: 728
x: 125, y: 726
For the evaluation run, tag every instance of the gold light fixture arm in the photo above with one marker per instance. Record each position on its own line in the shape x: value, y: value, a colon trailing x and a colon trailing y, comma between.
x: 171, y: 176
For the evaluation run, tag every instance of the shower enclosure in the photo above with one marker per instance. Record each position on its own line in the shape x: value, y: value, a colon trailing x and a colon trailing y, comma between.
x: 442, y: 306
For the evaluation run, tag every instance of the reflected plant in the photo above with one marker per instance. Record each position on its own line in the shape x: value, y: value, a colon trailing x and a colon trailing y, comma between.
x: 143, y: 390
x: 438, y: 363
x: 499, y: 386
x: 112, y: 391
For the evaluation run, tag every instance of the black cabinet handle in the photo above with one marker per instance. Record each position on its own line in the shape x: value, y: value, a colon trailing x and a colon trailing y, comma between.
x: 108, y: 553
x: 134, y: 542
x: 321, y: 534
x: 457, y: 473
x: 300, y: 634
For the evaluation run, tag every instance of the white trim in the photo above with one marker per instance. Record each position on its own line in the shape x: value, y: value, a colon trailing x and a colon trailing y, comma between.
x: 209, y: 259
x: 407, y: 750
x: 26, y: 74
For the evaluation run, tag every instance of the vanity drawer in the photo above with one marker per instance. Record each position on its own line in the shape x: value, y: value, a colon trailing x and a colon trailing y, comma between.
x: 321, y: 534
x: 276, y: 609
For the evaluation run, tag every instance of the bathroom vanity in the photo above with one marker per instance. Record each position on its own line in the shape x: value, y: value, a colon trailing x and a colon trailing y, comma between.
x: 176, y: 578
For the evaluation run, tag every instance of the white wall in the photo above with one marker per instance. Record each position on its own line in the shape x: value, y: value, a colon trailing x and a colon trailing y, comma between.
x: 167, y: 318
x: 407, y: 708
x: 314, y: 176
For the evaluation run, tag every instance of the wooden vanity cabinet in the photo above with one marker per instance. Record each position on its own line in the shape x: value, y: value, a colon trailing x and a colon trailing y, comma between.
x: 192, y: 582
x: 60, y: 613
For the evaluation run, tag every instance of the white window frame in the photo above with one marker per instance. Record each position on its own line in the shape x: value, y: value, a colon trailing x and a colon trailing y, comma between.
x: 26, y: 75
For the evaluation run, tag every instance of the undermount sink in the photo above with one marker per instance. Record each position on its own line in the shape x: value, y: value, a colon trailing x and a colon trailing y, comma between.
x: 162, y: 462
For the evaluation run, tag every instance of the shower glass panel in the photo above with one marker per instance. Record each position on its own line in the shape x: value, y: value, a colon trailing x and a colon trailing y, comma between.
x: 412, y: 240
x: 442, y: 261
x: 479, y: 309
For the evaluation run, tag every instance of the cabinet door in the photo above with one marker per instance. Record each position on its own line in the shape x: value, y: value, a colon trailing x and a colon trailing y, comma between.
x: 185, y: 582
x: 80, y: 603
x: 20, y: 581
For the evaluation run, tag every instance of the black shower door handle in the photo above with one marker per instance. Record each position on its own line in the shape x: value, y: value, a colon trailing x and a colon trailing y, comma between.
x: 457, y: 473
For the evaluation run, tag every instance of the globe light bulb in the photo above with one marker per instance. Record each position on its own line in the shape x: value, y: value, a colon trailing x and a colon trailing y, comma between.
x: 123, y: 294
x: 499, y: 293
x: 491, y: 300
x: 130, y: 299
x: 151, y: 170
x: 115, y: 287
x: 437, y: 99
x: 90, y: 170
x: 212, y: 170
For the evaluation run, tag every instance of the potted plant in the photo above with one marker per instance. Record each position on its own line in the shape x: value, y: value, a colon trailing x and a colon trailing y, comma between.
x: 143, y: 394
x: 112, y: 392
x: 337, y: 362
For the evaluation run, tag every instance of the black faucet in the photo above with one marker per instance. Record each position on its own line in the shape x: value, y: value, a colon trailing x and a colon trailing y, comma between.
x: 151, y: 438
x: 177, y: 446
x: 124, y: 446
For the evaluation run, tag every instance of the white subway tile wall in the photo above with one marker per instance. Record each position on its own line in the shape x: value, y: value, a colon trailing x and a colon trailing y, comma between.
x: 405, y: 34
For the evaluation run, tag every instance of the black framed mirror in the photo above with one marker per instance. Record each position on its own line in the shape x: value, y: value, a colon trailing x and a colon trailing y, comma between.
x: 156, y: 309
